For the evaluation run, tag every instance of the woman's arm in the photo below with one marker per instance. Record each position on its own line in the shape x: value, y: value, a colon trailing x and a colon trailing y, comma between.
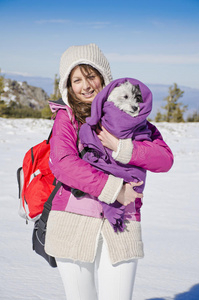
x: 65, y: 162
x: 74, y: 172
x: 154, y: 155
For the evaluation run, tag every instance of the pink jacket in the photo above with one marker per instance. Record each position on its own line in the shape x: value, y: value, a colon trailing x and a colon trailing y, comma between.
x: 73, y: 172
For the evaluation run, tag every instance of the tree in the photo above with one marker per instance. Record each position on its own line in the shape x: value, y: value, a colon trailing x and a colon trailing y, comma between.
x: 194, y: 117
x: 3, y: 107
x: 46, y: 113
x: 56, y: 93
x: 159, y: 117
x: 17, y: 110
x: 1, y: 84
x: 174, y: 109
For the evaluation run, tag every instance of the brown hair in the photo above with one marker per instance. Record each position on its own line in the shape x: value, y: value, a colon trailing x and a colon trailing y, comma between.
x: 81, y: 109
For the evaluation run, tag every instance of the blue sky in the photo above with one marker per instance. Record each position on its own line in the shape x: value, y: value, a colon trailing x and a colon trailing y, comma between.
x: 153, y: 41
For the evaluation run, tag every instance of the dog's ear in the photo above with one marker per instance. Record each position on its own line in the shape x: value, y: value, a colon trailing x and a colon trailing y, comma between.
x: 138, y: 94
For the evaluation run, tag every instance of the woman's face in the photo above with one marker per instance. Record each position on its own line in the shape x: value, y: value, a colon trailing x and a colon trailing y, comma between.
x: 85, y: 87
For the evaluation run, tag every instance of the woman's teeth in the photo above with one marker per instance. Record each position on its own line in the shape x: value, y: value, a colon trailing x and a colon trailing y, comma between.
x: 88, y: 94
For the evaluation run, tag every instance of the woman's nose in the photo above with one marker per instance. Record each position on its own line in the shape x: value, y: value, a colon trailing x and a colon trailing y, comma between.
x: 86, y: 84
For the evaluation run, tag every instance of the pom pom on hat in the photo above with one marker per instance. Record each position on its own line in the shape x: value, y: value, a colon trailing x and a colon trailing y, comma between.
x: 85, y: 54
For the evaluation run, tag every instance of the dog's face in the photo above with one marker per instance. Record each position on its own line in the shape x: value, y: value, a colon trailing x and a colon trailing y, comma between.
x: 127, y: 98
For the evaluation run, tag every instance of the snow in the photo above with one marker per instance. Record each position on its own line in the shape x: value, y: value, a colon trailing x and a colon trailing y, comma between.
x: 170, y: 222
x: 6, y: 88
x: 8, y: 98
x: 12, y: 97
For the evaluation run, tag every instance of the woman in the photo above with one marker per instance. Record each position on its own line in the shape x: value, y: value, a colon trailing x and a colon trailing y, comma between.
x: 93, y: 260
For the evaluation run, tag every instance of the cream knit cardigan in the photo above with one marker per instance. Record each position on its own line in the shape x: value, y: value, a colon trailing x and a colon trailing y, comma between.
x: 76, y: 236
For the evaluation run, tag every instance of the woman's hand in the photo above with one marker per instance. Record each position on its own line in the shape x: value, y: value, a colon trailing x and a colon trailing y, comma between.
x: 128, y: 194
x: 107, y: 139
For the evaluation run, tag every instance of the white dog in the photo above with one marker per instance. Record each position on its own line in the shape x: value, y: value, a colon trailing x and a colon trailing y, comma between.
x: 127, y: 98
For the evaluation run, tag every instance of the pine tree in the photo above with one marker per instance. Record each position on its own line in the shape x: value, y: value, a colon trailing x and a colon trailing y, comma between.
x: 46, y: 112
x: 56, y: 93
x: 159, y: 117
x: 174, y: 109
x: 194, y: 117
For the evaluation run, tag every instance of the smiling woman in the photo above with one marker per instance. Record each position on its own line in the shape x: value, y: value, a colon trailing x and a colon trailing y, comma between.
x: 84, y: 83
x: 79, y: 234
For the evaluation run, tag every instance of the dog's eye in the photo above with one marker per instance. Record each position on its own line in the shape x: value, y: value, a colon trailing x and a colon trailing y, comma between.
x: 125, y: 97
x: 139, y: 99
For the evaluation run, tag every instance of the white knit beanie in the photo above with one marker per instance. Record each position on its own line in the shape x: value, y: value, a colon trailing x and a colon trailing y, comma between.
x: 85, y: 54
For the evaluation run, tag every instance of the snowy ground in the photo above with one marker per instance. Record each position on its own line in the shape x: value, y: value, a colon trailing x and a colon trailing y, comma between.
x: 170, y: 221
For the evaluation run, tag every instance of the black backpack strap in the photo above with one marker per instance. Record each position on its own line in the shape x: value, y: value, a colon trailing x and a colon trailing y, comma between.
x: 48, y: 203
x: 50, y: 134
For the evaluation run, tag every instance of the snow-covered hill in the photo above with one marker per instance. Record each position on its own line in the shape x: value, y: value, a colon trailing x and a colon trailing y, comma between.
x: 170, y: 222
x: 24, y: 94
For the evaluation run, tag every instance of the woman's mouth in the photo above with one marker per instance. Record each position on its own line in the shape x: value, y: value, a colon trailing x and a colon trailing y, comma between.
x: 89, y: 94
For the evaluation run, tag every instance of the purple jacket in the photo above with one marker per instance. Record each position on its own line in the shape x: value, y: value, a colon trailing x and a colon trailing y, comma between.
x: 72, y: 171
x: 121, y: 125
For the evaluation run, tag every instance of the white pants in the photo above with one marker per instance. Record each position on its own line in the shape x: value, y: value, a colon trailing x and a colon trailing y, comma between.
x: 99, y: 280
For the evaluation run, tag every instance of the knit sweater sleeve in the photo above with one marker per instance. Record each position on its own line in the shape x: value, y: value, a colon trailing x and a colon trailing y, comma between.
x: 71, y: 170
x: 154, y: 155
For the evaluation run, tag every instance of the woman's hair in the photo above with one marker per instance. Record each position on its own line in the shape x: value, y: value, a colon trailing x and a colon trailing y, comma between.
x: 81, y: 109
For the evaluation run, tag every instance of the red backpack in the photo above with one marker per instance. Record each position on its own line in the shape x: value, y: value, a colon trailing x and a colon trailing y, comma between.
x: 37, y: 188
x: 35, y: 180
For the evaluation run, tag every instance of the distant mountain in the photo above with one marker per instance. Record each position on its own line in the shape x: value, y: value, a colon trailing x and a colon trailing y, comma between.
x: 160, y: 91
x: 24, y: 94
x: 43, y: 82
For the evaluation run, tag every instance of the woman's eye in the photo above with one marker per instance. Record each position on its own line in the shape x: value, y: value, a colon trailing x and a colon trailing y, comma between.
x: 77, y: 80
x: 91, y: 77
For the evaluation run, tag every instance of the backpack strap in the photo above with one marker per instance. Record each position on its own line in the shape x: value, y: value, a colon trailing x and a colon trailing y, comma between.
x: 48, y: 203
x: 50, y: 134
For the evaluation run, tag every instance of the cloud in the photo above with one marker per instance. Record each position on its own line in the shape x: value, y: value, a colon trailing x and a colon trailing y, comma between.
x: 154, y: 58
x: 95, y: 25
x: 157, y: 23
x: 17, y: 73
x: 58, y: 21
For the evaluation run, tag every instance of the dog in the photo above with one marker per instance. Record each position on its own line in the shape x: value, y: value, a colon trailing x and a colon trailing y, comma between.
x: 127, y: 98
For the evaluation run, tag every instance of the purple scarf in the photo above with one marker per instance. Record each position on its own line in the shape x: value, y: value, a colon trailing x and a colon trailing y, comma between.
x: 121, y: 125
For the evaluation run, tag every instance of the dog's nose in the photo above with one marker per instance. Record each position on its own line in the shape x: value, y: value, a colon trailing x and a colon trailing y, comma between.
x: 134, y: 108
